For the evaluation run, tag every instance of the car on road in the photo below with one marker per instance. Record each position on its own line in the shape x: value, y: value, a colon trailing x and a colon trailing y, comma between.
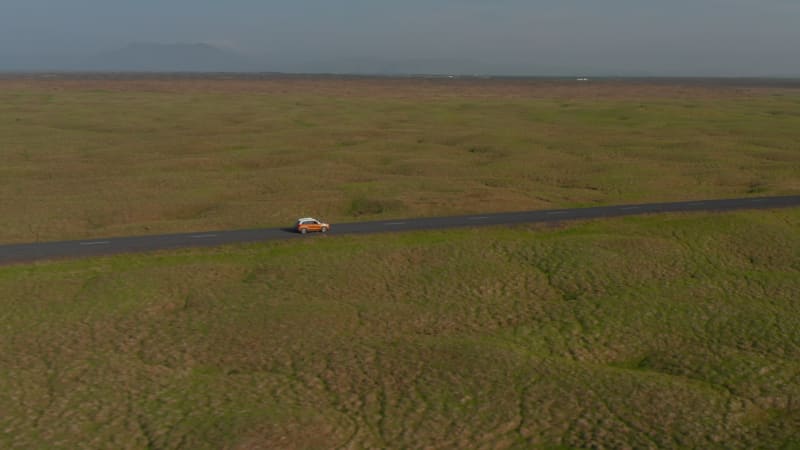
x: 308, y: 224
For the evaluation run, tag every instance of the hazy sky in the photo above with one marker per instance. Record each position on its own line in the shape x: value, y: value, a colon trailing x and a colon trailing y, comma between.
x: 690, y: 37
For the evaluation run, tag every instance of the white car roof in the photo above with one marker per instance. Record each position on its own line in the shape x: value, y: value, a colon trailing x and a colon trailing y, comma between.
x: 306, y: 218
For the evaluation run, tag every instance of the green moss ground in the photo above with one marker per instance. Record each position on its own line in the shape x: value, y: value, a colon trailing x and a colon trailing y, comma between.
x: 669, y: 331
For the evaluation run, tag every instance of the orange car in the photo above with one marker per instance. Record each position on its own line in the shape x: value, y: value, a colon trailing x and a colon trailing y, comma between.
x: 307, y: 224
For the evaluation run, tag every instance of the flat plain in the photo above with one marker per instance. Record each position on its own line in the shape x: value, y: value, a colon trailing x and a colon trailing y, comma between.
x: 111, y: 156
x: 668, y: 331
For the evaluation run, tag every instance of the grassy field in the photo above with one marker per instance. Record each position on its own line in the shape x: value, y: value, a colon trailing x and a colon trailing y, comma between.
x: 102, y: 157
x: 669, y: 331
x: 674, y: 331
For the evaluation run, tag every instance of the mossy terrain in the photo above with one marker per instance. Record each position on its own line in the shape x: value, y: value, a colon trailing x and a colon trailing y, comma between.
x: 669, y: 331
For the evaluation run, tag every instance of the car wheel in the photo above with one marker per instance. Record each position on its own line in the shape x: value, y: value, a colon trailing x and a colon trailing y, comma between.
x: 324, y: 229
x: 303, y: 231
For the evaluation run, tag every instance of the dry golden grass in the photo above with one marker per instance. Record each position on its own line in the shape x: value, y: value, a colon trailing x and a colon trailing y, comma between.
x: 676, y: 331
x: 99, y: 156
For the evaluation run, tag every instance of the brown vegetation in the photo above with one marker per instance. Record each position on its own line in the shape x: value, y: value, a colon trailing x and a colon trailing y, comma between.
x: 90, y: 156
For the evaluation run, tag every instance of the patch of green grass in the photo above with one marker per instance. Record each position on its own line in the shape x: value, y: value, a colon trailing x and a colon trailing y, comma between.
x: 663, y: 331
x: 361, y: 206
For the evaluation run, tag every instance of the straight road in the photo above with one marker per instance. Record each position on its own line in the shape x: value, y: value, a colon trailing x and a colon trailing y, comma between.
x: 21, y: 253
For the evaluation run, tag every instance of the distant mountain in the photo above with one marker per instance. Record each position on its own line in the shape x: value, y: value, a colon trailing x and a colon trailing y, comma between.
x: 433, y: 66
x: 381, y: 66
x: 145, y: 57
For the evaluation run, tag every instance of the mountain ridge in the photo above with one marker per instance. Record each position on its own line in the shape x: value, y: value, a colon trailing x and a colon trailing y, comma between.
x: 178, y: 57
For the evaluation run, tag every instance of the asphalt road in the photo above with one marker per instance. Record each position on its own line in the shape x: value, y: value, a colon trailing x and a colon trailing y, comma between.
x: 21, y: 253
